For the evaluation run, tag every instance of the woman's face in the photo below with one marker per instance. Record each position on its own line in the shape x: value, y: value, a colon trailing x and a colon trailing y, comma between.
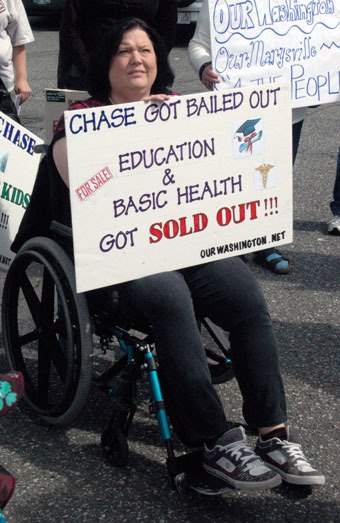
x: 133, y: 68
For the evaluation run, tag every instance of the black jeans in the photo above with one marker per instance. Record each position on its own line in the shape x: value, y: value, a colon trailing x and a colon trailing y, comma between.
x: 7, y: 105
x: 297, y: 128
x: 226, y: 292
x: 335, y: 204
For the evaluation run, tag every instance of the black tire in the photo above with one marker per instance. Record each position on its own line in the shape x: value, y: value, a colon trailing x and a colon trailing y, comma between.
x: 47, y: 331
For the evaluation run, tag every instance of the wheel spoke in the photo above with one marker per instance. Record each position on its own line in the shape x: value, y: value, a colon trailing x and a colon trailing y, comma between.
x: 27, y: 338
x: 49, y: 353
x: 44, y: 369
x: 47, y: 303
x: 58, y: 358
x: 31, y: 297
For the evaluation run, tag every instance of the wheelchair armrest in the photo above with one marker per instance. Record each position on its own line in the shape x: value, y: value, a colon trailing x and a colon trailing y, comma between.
x: 41, y: 148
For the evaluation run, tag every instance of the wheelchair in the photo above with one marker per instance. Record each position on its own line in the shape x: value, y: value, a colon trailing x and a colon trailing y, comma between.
x: 51, y: 334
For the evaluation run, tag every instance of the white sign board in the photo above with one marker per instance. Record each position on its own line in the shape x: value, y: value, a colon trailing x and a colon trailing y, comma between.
x: 18, y: 169
x: 269, y: 41
x: 156, y: 187
x: 56, y: 102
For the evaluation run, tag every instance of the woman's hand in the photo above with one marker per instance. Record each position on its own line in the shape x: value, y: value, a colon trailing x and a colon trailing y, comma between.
x: 22, y: 88
x: 157, y: 98
x: 209, y: 78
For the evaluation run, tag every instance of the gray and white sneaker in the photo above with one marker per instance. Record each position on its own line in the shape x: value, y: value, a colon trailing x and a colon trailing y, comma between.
x: 334, y: 226
x: 287, y: 458
x: 234, y: 462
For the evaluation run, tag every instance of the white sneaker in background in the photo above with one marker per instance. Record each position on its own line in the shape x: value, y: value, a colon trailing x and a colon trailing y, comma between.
x: 334, y: 226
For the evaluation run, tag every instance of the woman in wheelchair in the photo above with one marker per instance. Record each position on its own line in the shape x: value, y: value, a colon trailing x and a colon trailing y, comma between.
x: 131, y: 65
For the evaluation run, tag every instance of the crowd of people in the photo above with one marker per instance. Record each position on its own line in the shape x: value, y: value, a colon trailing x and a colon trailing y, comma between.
x: 130, y: 63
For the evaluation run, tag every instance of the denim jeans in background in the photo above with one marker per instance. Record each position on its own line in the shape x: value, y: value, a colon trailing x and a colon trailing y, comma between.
x: 7, y: 105
x: 297, y: 128
x: 226, y: 292
x: 335, y: 204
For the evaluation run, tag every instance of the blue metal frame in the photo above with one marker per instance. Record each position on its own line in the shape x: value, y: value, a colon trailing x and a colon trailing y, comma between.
x: 129, y: 345
x: 161, y: 416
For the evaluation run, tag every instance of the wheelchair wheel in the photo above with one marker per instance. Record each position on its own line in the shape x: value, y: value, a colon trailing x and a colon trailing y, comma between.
x: 47, y: 332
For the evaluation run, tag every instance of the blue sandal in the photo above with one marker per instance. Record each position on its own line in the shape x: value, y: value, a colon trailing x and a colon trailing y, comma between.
x: 273, y: 260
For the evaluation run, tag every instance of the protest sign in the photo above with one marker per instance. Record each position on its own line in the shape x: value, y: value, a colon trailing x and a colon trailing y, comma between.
x: 271, y: 41
x: 156, y: 187
x: 18, y: 169
x: 56, y: 102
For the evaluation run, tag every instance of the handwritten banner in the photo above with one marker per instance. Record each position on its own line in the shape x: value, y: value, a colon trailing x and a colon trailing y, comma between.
x: 156, y: 187
x: 18, y: 169
x: 269, y: 41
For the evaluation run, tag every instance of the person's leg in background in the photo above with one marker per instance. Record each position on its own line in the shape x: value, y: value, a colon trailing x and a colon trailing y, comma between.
x: 272, y: 258
x: 7, y: 105
x: 334, y: 224
x: 297, y: 128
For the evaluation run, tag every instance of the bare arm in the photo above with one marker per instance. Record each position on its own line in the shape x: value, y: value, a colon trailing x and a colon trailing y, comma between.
x: 21, y: 83
x: 60, y: 159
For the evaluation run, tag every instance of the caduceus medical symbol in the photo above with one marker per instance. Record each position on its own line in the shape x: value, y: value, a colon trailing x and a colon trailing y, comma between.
x: 249, y: 135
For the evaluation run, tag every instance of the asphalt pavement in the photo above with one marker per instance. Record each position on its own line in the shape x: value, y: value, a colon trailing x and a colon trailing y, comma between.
x: 61, y: 475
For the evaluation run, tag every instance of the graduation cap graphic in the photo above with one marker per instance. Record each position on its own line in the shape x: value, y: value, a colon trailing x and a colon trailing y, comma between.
x: 250, y: 135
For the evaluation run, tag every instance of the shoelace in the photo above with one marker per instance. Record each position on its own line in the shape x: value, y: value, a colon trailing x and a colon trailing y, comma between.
x: 238, y: 450
x: 294, y: 451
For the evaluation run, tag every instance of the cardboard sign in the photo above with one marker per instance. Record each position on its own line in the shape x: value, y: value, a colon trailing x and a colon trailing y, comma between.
x: 156, y: 187
x: 18, y: 169
x: 271, y: 41
x: 56, y: 102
